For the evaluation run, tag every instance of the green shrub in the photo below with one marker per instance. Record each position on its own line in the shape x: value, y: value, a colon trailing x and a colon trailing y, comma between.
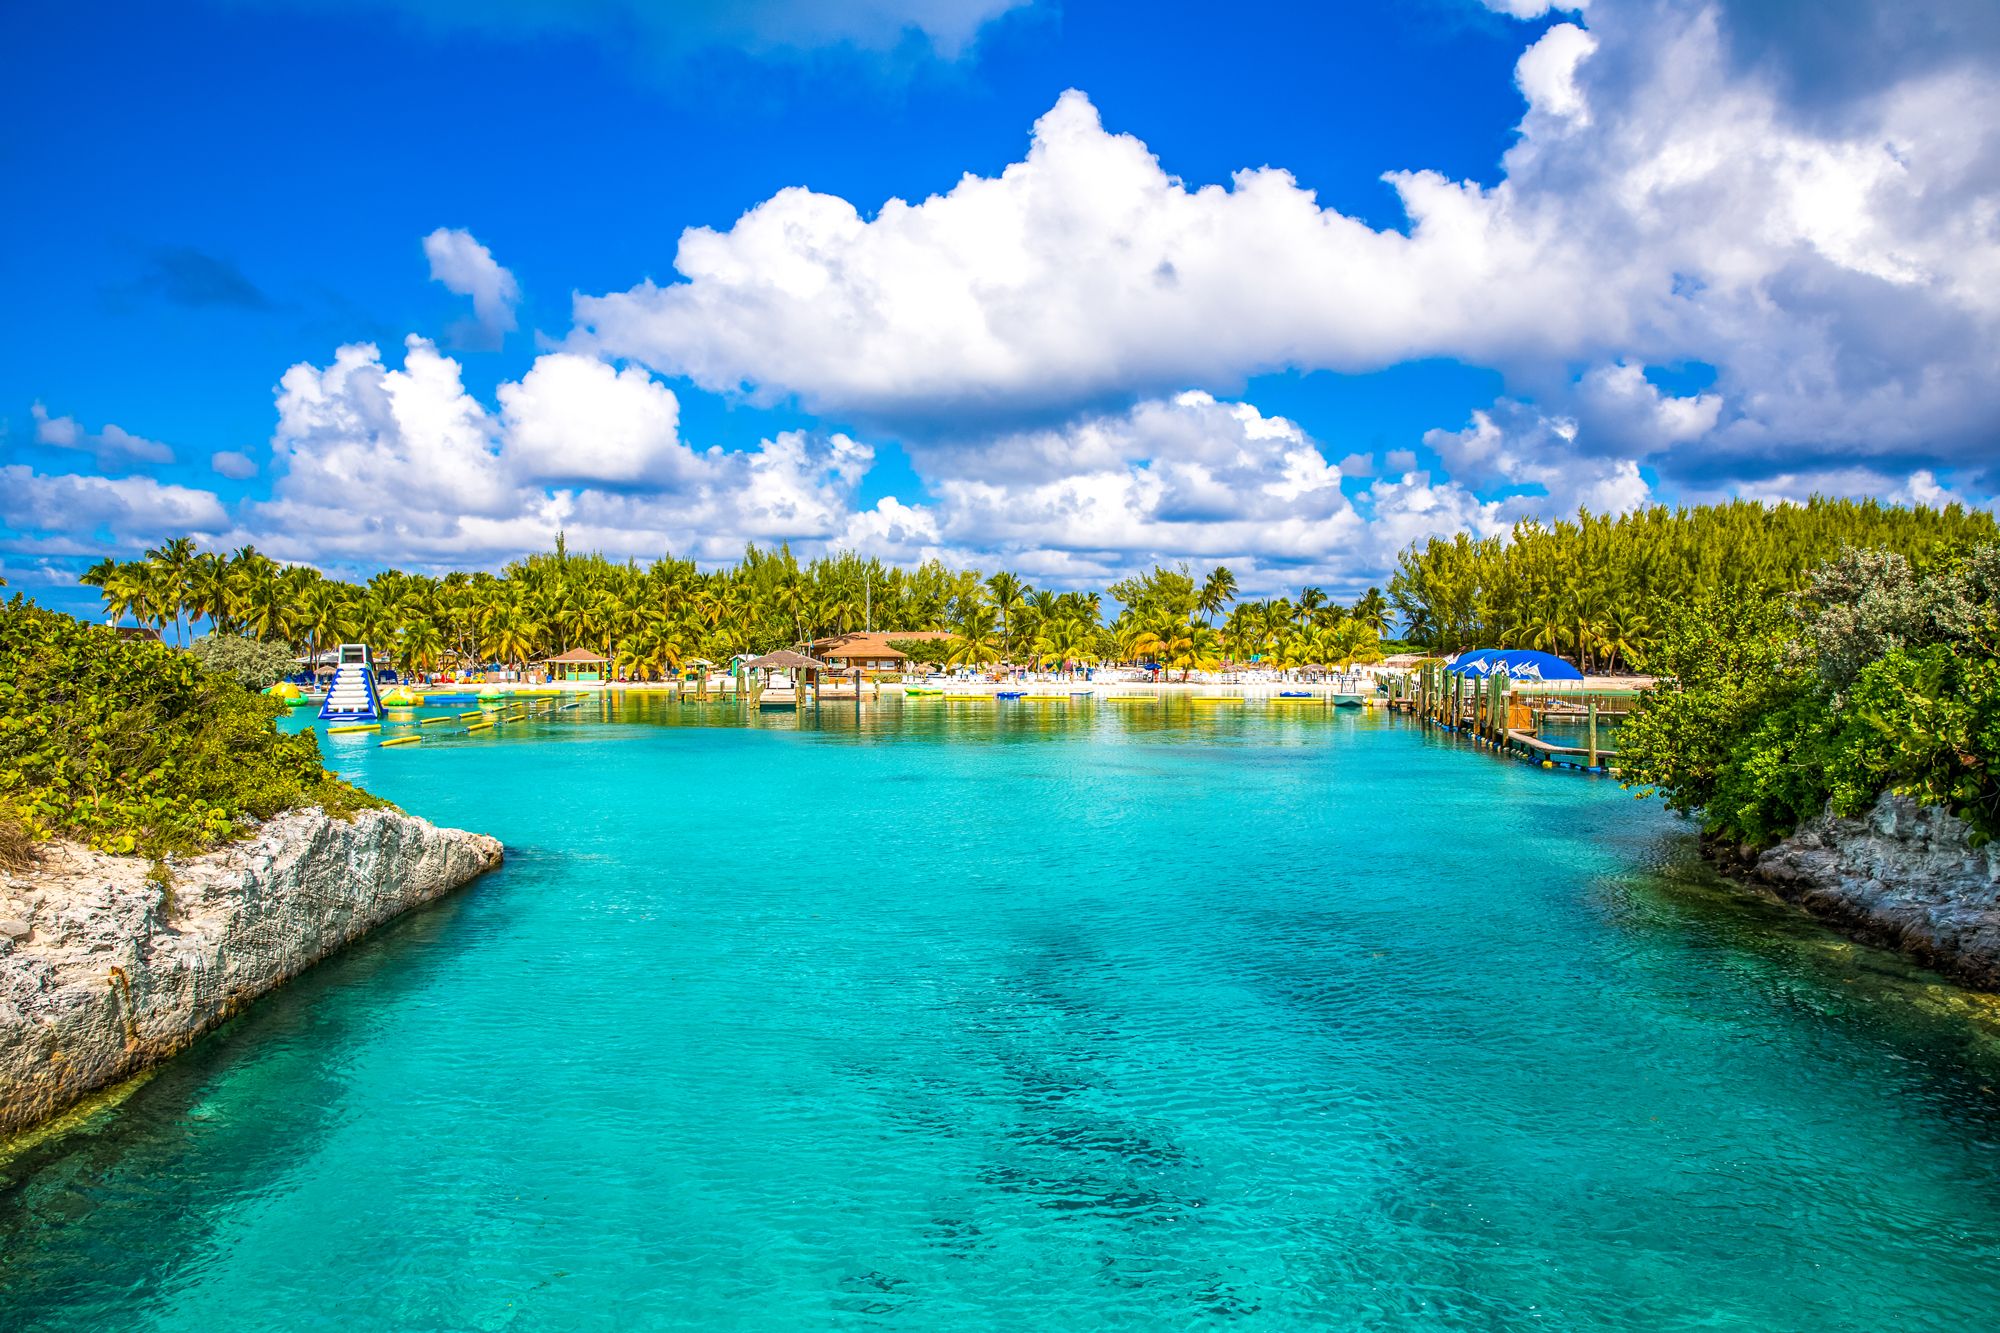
x: 1877, y: 678
x: 1926, y: 724
x: 251, y: 663
x: 135, y: 747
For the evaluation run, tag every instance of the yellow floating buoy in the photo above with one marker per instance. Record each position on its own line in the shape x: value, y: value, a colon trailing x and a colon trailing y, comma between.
x: 436, y: 721
x: 359, y: 726
x: 465, y: 717
x: 401, y: 740
x: 480, y: 726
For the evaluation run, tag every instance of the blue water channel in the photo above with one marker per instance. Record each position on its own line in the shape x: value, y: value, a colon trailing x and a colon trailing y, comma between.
x: 1042, y: 1016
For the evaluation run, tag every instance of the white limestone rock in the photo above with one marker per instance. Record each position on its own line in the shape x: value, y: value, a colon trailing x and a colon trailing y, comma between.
x: 115, y: 971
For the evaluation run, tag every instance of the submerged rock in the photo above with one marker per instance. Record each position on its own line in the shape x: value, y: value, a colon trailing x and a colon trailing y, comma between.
x: 1904, y: 875
x: 116, y: 967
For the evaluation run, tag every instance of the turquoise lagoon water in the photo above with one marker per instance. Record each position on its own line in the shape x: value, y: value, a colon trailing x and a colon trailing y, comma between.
x: 1042, y: 1017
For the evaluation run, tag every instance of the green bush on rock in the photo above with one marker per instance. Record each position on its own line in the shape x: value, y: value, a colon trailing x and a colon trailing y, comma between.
x: 1876, y: 678
x: 136, y: 747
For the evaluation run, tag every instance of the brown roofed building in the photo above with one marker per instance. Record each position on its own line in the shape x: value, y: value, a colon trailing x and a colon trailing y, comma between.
x: 577, y: 664
x: 870, y: 651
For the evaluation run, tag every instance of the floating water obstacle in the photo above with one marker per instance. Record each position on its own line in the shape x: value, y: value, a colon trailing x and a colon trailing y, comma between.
x: 353, y: 697
x: 400, y: 698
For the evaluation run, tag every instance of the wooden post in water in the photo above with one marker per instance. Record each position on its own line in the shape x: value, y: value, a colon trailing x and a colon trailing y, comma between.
x: 1591, y: 715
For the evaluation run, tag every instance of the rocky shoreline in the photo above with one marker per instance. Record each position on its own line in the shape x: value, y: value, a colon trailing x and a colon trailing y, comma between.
x: 1904, y: 876
x: 106, y: 970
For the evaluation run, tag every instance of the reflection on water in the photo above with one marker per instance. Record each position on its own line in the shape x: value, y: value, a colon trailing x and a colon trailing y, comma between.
x: 1076, y: 1015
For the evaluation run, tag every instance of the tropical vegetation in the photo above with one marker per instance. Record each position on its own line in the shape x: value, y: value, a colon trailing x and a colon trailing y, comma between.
x: 651, y: 619
x: 131, y: 746
x: 1882, y: 674
x: 1593, y: 589
x: 252, y: 663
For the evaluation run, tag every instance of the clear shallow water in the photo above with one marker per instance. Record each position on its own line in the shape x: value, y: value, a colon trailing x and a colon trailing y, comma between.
x: 1043, y: 1017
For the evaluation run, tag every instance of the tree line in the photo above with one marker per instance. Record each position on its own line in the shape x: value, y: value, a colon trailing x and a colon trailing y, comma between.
x: 650, y: 619
x: 1597, y: 589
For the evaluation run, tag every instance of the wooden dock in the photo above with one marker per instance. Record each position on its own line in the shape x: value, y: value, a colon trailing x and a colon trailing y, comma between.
x: 1493, y: 713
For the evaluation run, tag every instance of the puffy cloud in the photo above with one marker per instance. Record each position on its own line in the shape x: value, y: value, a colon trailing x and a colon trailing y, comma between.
x: 121, y: 509
x: 1516, y: 449
x: 1188, y: 477
x: 1665, y: 203
x: 468, y: 268
x: 403, y: 465
x: 1083, y: 272
x: 574, y: 418
x: 1546, y: 73
x: 114, y: 446
x: 231, y: 463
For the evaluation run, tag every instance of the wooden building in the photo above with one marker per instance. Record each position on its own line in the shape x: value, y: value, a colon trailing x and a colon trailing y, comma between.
x: 870, y: 650
x: 577, y: 664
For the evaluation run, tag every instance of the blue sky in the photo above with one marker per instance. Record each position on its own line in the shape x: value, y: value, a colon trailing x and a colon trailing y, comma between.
x: 1286, y: 287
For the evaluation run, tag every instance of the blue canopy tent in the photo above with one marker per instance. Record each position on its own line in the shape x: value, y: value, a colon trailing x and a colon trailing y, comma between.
x: 1514, y: 663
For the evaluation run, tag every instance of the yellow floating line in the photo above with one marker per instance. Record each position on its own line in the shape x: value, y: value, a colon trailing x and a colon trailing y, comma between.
x: 465, y: 717
x: 401, y: 740
x: 480, y: 726
x: 1131, y: 698
x: 361, y: 726
x: 1218, y: 698
x: 436, y: 721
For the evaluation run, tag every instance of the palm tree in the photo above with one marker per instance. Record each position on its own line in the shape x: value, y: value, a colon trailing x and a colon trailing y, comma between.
x: 1373, y: 611
x: 419, y: 645
x: 1009, y: 596
x: 172, y: 562
x: 1217, y: 591
x: 507, y: 634
x: 974, y: 644
x: 1352, y: 641
x: 208, y: 591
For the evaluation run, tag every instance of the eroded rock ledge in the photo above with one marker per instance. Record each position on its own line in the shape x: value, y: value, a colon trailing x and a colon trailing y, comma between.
x: 105, y: 971
x: 1904, y: 875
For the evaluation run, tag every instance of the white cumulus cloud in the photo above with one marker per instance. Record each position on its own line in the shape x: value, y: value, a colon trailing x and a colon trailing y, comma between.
x: 1665, y: 204
x: 120, y: 509
x: 466, y: 267
x: 114, y: 446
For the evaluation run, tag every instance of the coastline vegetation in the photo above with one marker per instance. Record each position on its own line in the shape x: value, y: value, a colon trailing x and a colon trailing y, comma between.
x: 649, y: 619
x: 1882, y: 674
x: 1597, y: 589
x: 131, y: 746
